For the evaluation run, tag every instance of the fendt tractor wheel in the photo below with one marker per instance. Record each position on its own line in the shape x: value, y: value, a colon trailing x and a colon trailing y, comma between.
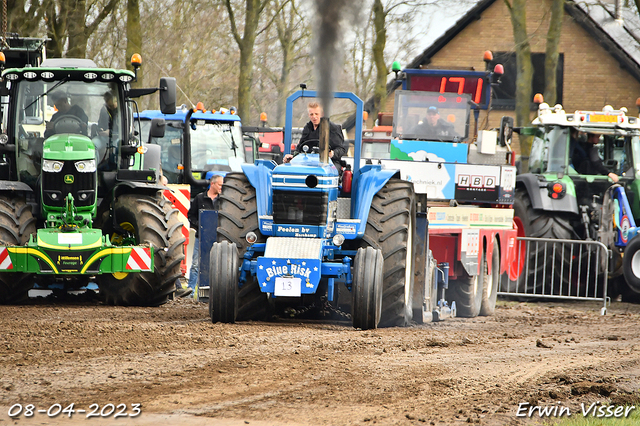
x: 151, y: 220
x: 466, y: 291
x: 238, y: 215
x: 491, y: 281
x: 391, y: 229
x: 541, y: 224
x: 17, y: 224
x: 367, y: 288
x: 631, y: 267
x: 223, y: 282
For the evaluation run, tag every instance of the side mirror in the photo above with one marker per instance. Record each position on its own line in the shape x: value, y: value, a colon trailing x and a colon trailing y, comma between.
x: 168, y: 95
x: 157, y: 128
x: 506, y: 131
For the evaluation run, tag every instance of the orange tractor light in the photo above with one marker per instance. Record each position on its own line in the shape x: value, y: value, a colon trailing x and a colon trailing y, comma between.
x: 136, y: 60
x: 538, y: 98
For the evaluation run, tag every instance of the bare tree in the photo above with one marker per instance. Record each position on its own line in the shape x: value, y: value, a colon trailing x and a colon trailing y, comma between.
x: 524, y: 74
x: 68, y: 23
x: 23, y: 18
x: 293, y: 35
x: 246, y: 39
x: 552, y: 50
x: 134, y: 35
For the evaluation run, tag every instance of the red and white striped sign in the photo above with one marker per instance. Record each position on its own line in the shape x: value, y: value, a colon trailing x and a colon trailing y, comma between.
x: 5, y: 259
x: 140, y: 258
x: 180, y: 197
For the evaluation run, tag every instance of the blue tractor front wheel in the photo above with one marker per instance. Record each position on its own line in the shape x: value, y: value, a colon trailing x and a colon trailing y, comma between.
x: 223, y: 282
x: 367, y: 288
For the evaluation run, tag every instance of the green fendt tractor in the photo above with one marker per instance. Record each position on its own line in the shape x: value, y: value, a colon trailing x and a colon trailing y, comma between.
x: 566, y: 196
x: 79, y: 197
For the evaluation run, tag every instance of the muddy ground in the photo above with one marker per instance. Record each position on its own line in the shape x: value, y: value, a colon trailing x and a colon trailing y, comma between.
x: 184, y: 370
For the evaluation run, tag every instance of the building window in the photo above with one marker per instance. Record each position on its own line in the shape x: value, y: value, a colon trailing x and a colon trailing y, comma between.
x: 504, y: 95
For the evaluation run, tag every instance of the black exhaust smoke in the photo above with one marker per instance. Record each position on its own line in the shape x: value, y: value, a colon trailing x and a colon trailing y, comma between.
x: 327, y: 50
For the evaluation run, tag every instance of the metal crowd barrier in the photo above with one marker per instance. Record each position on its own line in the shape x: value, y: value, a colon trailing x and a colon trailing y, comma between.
x: 559, y: 269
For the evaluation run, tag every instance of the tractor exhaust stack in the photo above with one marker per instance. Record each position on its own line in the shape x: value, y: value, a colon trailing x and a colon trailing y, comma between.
x: 323, y: 143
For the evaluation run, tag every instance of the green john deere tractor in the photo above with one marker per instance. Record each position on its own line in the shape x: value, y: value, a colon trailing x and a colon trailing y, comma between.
x: 80, y: 199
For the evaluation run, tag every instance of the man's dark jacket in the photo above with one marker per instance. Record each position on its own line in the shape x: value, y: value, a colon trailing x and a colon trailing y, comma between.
x: 336, y: 140
x: 201, y: 202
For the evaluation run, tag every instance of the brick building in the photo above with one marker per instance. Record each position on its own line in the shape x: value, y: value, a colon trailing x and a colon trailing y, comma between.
x: 599, y: 54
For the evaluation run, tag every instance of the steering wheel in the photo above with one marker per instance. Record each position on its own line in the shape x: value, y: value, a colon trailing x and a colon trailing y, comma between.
x: 308, y: 143
x: 68, y: 124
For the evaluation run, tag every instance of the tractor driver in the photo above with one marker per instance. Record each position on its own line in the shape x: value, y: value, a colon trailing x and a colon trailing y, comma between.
x: 65, y: 109
x: 434, y: 126
x: 311, y: 133
x: 585, y: 157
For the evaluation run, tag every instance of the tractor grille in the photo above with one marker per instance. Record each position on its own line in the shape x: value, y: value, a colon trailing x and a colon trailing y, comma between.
x: 55, y: 189
x: 300, y: 207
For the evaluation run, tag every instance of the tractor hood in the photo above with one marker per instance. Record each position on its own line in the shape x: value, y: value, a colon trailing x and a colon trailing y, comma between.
x: 305, y: 165
x: 68, y: 146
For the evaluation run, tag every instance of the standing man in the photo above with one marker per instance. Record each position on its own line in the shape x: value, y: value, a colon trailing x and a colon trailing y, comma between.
x: 311, y: 133
x: 107, y: 115
x: 207, y: 200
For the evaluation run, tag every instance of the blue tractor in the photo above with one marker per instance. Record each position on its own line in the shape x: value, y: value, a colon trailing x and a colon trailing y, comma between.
x: 196, y: 142
x: 294, y: 236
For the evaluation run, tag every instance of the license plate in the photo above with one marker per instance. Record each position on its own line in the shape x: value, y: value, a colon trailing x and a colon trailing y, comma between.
x: 287, y: 287
x: 601, y: 118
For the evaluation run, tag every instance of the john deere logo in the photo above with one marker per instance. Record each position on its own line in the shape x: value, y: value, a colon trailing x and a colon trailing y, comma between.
x: 68, y: 179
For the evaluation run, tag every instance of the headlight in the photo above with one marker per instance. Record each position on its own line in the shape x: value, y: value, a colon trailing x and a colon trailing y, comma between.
x: 86, y: 166
x: 4, y: 139
x: 52, y: 166
x: 338, y: 239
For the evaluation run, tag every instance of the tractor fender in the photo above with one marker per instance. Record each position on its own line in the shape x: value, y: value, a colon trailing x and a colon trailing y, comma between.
x: 8, y: 185
x: 259, y: 175
x: 372, y: 178
x: 142, y: 188
x: 539, y: 195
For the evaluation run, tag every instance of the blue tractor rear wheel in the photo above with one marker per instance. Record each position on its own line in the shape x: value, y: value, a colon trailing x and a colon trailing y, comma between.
x: 391, y: 228
x: 238, y: 215
x: 367, y: 288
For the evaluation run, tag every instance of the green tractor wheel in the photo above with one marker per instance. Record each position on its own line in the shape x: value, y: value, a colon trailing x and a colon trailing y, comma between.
x: 17, y: 224
x: 542, y: 224
x: 153, y: 221
x: 391, y: 228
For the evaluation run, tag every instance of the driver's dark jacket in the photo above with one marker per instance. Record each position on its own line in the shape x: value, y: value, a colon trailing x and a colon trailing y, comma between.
x: 336, y: 140
x: 586, y: 160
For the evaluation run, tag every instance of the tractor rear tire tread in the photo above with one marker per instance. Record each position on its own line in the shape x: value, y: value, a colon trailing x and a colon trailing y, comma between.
x: 17, y: 225
x: 237, y: 216
x: 391, y: 219
x: 154, y: 220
